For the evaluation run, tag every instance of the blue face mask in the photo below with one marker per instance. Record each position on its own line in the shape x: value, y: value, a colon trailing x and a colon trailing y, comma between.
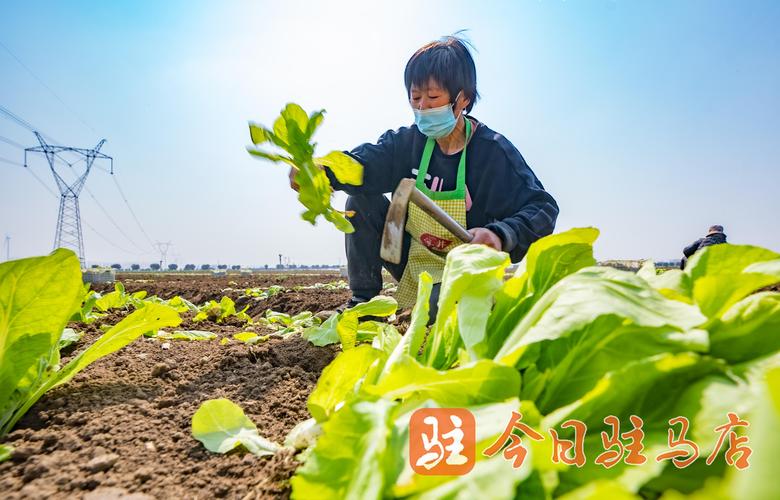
x: 436, y: 122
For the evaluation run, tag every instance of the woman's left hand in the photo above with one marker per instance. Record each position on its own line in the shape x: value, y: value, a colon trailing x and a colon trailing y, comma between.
x: 486, y: 237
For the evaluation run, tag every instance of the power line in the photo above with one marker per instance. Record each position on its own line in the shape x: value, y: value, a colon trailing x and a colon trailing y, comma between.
x: 55, y: 157
x: 11, y: 162
x: 132, y: 212
x: 78, y: 117
x: 89, y: 226
x: 11, y: 142
x: 108, y: 216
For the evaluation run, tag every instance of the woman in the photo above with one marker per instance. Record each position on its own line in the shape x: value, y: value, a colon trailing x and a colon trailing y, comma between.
x: 472, y: 172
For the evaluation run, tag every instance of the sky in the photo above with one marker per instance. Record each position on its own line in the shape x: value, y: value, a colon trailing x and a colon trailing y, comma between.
x: 649, y: 120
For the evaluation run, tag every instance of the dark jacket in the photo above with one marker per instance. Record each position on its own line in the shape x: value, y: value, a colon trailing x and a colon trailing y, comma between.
x: 504, y: 194
x: 709, y: 240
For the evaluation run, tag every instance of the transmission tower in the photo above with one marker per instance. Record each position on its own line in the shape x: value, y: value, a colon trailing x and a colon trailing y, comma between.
x: 163, y: 247
x: 69, y: 233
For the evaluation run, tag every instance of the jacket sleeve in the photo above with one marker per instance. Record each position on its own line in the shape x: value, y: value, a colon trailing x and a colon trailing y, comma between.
x: 535, y: 211
x: 381, y: 169
x: 691, y: 249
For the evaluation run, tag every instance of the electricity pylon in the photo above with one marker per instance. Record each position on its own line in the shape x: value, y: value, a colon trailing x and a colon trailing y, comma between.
x: 69, y: 234
x: 163, y: 247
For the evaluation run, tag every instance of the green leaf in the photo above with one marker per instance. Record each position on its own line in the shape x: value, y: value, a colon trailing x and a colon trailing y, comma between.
x: 187, y: 335
x: 315, y: 119
x: 346, y: 169
x: 381, y: 305
x: 221, y: 426
x: 69, y: 336
x: 412, y: 340
x: 554, y: 257
x: 295, y: 118
x: 715, y: 294
x: 37, y: 297
x: 760, y: 479
x: 673, y: 284
x: 338, y: 380
x: 348, y: 460
x: 324, y: 334
x: 271, y: 156
x: 5, y: 452
x: 583, y: 297
x: 481, y: 382
x: 726, y: 259
x: 472, y: 274
x: 648, y: 387
x: 750, y: 329
x: 258, y: 133
x: 572, y: 365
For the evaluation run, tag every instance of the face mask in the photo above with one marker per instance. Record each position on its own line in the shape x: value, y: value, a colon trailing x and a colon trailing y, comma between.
x: 436, y: 122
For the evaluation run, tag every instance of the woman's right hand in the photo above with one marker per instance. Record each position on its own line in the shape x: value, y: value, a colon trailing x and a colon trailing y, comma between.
x: 293, y: 184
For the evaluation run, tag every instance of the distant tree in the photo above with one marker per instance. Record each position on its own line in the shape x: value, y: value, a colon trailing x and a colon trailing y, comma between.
x: 222, y: 266
x: 235, y: 268
x: 173, y: 267
x: 205, y: 267
x: 154, y: 267
x: 94, y: 266
x: 189, y: 267
x: 116, y: 266
x: 265, y: 267
x: 135, y: 267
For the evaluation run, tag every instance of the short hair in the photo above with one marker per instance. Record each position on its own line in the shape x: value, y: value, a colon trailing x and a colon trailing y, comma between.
x: 448, y: 61
x: 717, y: 228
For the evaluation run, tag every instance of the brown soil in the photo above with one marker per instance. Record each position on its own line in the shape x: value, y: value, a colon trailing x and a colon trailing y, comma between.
x: 121, y: 428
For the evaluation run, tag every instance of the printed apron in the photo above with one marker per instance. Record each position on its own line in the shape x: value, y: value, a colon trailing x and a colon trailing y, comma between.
x: 430, y: 240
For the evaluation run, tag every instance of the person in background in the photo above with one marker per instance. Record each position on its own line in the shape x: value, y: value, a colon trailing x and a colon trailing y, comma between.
x: 715, y: 236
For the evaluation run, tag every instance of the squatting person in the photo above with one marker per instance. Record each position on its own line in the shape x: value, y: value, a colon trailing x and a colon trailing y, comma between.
x: 715, y: 236
x: 474, y: 173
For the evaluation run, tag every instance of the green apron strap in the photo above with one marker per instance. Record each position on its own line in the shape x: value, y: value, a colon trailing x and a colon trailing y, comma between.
x: 460, y: 184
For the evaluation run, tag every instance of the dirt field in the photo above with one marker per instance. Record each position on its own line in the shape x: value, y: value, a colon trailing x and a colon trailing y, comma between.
x: 121, y: 428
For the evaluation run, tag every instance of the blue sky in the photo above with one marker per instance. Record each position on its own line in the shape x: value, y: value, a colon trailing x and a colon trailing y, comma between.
x: 648, y: 120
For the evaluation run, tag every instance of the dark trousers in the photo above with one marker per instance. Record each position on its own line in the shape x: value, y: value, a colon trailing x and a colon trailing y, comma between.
x: 364, y: 265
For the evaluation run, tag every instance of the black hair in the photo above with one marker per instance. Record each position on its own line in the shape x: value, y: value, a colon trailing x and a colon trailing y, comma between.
x: 448, y: 61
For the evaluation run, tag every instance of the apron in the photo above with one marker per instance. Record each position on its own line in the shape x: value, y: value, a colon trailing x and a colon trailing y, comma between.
x: 430, y: 240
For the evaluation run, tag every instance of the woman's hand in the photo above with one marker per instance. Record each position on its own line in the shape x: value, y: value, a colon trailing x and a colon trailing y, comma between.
x: 293, y: 184
x: 486, y: 237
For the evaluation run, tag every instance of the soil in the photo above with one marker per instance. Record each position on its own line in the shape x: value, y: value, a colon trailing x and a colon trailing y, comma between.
x: 121, y: 428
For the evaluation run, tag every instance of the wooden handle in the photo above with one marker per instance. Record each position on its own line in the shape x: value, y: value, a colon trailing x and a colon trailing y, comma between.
x: 442, y: 217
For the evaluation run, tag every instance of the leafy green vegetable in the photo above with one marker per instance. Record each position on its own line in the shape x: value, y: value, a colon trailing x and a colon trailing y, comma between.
x: 187, y: 335
x: 347, y: 461
x: 264, y: 293
x: 69, y: 337
x: 221, y: 426
x: 345, y: 326
x: 284, y: 324
x: 5, y: 452
x: 481, y: 382
x: 85, y: 314
x: 249, y: 337
x: 338, y: 380
x: 292, y: 133
x: 37, y: 297
x: 220, y: 311
x: 119, y: 298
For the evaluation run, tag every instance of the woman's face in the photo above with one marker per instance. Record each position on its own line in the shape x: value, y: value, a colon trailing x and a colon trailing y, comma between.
x: 434, y: 95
